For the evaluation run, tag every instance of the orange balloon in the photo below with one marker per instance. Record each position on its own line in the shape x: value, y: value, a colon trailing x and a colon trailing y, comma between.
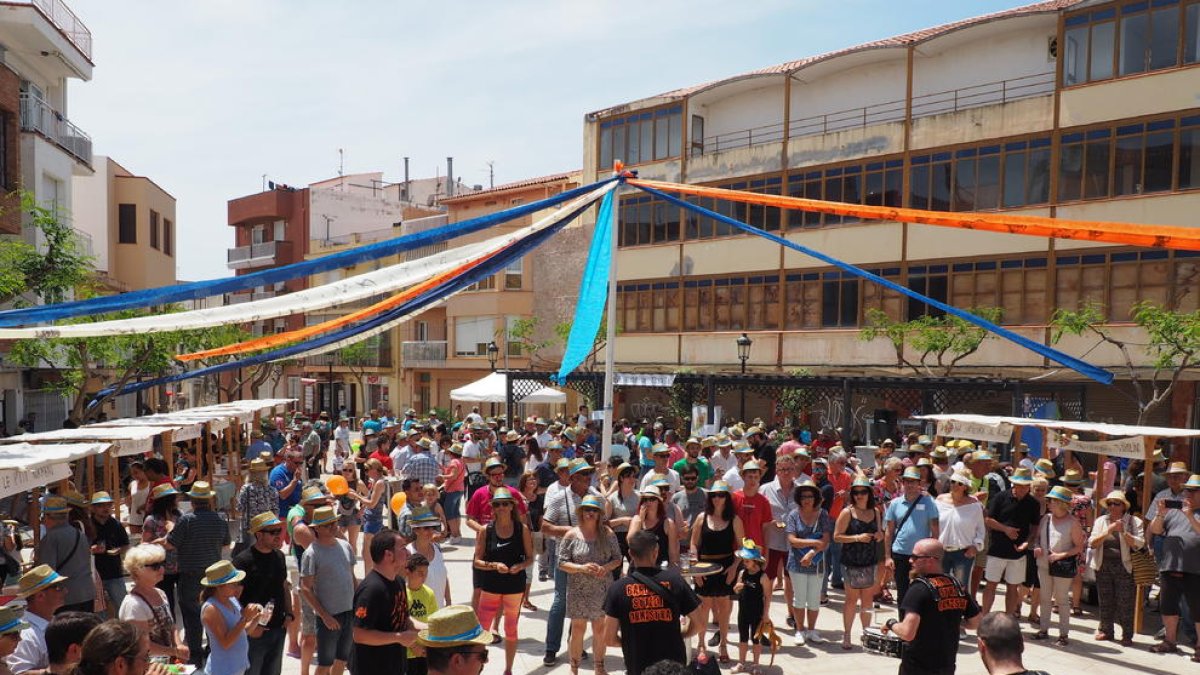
x: 337, y: 485
x: 398, y: 501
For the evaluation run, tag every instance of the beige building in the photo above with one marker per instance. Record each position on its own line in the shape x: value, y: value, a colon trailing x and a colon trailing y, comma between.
x: 1071, y: 109
x: 131, y: 222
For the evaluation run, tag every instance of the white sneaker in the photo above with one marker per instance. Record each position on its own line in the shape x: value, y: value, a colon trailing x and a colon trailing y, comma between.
x: 799, y: 638
x: 815, y: 638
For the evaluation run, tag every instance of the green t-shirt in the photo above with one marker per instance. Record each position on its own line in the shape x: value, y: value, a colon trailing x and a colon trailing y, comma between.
x: 421, y: 603
x: 705, y: 469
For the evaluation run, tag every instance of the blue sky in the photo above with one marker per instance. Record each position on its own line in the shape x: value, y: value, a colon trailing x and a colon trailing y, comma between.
x: 207, y: 96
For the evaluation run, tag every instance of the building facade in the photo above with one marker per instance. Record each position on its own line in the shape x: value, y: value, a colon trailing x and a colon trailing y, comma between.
x: 1069, y: 109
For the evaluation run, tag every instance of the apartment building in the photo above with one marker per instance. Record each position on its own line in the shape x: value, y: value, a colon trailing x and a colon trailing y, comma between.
x: 470, y: 335
x: 130, y: 221
x: 1071, y: 109
x: 43, y: 46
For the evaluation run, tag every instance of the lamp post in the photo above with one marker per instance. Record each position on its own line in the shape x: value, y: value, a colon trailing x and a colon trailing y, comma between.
x: 743, y: 353
x: 493, y: 352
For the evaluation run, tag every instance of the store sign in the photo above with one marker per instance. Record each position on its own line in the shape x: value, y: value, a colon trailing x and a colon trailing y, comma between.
x: 1133, y: 447
x: 14, y: 481
x: 1000, y: 432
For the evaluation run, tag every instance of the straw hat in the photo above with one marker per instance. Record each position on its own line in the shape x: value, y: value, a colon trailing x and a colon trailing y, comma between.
x: 164, y: 490
x: 312, y: 495
x: 580, y: 466
x: 660, y: 481
x: 982, y: 456
x: 961, y: 477
x: 749, y: 550
x: 591, y: 502
x: 1178, y: 467
x: 10, y: 620
x: 55, y: 506
x: 752, y: 465
x: 861, y: 481
x: 263, y: 521
x: 455, y: 449
x: 649, y: 492
x: 512, y: 436
x: 554, y: 445
x: 1073, y: 477
x: 257, y: 465
x: 940, y: 452
x: 719, y: 486
x: 502, y: 495
x: 453, y: 626
x: 911, y: 473
x: 570, y: 433
x: 38, y: 579
x: 1117, y: 496
x: 743, y: 448
x: 220, y: 573
x: 708, y: 442
x: 924, y: 461
x: 724, y: 441
x: 563, y: 464
x: 660, y: 449
x: 624, y: 466
x: 425, y: 519
x: 201, y: 490
x: 101, y: 497
x: 807, y: 484
x: 75, y: 499
x: 691, y: 441
x: 1045, y: 467
x: 1021, y: 476
x: 1193, y: 482
x: 324, y: 515
x: 887, y: 442
x: 493, y: 463
x: 1060, y: 493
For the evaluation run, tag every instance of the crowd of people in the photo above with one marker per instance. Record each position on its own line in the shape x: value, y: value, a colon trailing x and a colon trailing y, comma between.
x: 651, y: 542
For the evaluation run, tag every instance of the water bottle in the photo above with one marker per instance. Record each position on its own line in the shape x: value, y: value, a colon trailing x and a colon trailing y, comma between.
x: 265, y: 617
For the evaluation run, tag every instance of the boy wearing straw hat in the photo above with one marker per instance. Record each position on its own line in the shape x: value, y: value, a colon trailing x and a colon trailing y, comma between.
x: 43, y: 590
x: 454, y: 642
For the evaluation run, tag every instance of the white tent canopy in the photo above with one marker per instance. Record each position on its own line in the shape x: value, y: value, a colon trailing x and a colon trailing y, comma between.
x: 1118, y: 430
x: 24, y: 466
x: 491, y: 390
x: 129, y: 440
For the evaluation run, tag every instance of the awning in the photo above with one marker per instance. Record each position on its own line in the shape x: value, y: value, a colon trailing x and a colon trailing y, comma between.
x: 1123, y: 440
x: 491, y: 389
x: 128, y: 440
x: 24, y: 466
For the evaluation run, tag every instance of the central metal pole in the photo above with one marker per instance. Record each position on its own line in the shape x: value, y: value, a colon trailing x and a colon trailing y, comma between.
x: 610, y: 344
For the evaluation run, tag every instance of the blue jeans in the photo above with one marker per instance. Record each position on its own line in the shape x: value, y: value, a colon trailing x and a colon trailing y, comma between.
x: 266, y: 652
x: 115, y: 588
x: 558, y: 613
x: 958, y: 565
x: 550, y: 559
x: 833, y: 567
x: 189, y: 609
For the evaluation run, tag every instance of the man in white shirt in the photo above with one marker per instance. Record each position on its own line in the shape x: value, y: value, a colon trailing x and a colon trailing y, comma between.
x: 543, y: 433
x: 473, y: 449
x: 341, y: 443
x: 662, y: 455
x: 474, y: 417
x: 43, y: 590
x: 743, y: 453
x: 722, y: 459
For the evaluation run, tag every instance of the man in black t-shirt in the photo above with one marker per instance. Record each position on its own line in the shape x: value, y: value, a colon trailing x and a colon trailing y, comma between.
x: 1011, y: 516
x: 934, y: 607
x: 108, y: 546
x: 640, y: 620
x: 382, y: 626
x: 266, y: 582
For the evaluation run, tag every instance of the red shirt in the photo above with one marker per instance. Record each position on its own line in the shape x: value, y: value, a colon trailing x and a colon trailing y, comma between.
x: 384, y: 459
x: 841, y: 483
x: 755, y: 512
x: 479, y: 507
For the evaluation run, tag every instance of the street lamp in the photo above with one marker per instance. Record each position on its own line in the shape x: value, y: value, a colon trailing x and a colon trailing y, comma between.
x: 493, y: 352
x: 743, y: 352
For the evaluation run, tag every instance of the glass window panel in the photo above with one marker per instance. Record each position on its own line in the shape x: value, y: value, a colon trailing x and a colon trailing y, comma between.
x: 1070, y: 172
x: 830, y: 303
x: 647, y: 141
x: 645, y: 221
x: 771, y: 306
x: 795, y: 305
x: 849, y: 303
x: 606, y: 148
x: 633, y: 155
x: 1134, y: 42
x: 1035, y: 297
x: 1075, y: 55
x: 1102, y: 57
x: 660, y: 310
x: 672, y: 302
x: 1160, y: 151
x: 721, y: 307
x: 893, y: 188
x: 813, y: 293
x: 939, y: 198
x: 1164, y: 37
x: 1127, y: 172
x: 1095, y: 172
x: 1124, y: 291
x: 705, y: 321
x: 662, y: 133
x: 675, y: 135
x: 619, y: 143
x: 987, y: 189
x: 965, y: 181
x: 1014, y: 179
x: 1191, y: 34
x: 1038, y: 178
x: 833, y: 193
x: 1091, y: 286
x: 1187, y: 285
x: 852, y: 189
x: 691, y: 308
x: 1189, y: 158
x: 873, y: 189
x: 737, y: 307
x: 919, y: 187
x: 1155, y: 282
x: 1067, y: 281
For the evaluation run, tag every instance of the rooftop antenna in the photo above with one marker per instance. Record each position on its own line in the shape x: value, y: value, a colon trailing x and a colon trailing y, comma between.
x: 341, y: 167
x: 264, y: 182
x: 491, y: 174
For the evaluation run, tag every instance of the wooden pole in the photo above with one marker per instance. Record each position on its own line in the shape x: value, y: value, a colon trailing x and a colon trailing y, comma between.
x: 206, y: 449
x: 1147, y: 486
x: 89, y: 477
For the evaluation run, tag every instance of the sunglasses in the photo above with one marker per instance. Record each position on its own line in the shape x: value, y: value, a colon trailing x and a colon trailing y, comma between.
x: 923, y: 557
x: 155, y: 566
x: 860, y: 493
x: 273, y: 532
x: 498, y: 504
x: 495, y: 474
x: 691, y: 479
x: 590, y: 512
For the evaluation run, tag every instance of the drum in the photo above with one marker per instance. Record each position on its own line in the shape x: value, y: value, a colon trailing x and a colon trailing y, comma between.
x: 887, y: 644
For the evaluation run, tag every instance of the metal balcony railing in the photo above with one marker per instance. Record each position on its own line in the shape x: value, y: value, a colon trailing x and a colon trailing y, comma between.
x: 57, y: 12
x: 247, y: 296
x: 380, y: 357
x: 39, y: 117
x: 423, y: 354
x: 954, y: 100
x: 256, y: 255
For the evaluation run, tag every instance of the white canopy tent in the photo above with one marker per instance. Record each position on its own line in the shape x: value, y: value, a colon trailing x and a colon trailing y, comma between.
x: 491, y: 389
x: 24, y: 466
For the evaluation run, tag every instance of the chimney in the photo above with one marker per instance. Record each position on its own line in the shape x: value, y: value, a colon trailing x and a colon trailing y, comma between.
x: 407, y: 186
x: 449, y: 176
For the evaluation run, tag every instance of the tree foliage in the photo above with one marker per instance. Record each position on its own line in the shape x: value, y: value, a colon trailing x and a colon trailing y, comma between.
x: 940, y: 342
x: 48, y: 271
x: 1173, y: 344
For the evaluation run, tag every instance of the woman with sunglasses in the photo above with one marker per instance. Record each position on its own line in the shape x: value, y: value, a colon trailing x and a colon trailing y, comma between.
x: 716, y: 538
x: 1114, y: 535
x: 858, y: 530
x: 349, y: 516
x: 961, y: 527
x: 146, y: 606
x: 588, y: 553
x: 622, y: 505
x: 156, y: 527
x: 371, y: 497
x: 1059, y: 540
x: 502, y: 552
x: 652, y: 516
x: 809, y: 530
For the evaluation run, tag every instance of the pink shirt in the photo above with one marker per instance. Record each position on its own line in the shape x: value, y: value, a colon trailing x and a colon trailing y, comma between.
x: 479, y: 507
x: 677, y: 454
x: 455, y: 468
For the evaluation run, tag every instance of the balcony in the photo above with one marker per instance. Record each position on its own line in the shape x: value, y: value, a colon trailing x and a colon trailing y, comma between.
x: 65, y: 21
x: 424, y: 354
x: 248, y: 296
x: 377, y: 355
x: 38, y: 117
x: 258, y: 255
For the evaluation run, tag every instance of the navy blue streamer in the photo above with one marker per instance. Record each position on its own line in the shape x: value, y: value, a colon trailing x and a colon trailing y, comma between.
x: 1082, y: 367
x: 202, y: 289
x: 491, y: 266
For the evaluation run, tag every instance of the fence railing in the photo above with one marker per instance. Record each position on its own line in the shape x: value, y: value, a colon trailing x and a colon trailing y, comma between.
x: 361, y: 237
x: 425, y: 353
x: 265, y: 250
x: 954, y: 100
x: 38, y: 116
x: 66, y: 21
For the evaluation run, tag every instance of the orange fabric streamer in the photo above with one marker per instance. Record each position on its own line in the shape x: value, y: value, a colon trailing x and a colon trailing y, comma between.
x: 1153, y: 236
x: 278, y: 339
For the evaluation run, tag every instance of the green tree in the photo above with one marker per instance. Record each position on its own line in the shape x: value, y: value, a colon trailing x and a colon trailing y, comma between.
x: 48, y: 271
x: 797, y: 400
x: 563, y: 331
x: 523, y: 334
x: 1172, y: 344
x: 357, y: 358
x: 941, y: 342
x: 682, y: 397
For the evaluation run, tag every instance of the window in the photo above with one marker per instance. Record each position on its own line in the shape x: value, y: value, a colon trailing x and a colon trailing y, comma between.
x: 1129, y: 38
x: 1189, y: 153
x: 258, y: 234
x: 472, y: 335
x: 641, y: 137
x: 930, y: 181
x: 1130, y: 159
x: 279, y: 230
x: 168, y: 237
x: 1023, y: 291
x: 512, y: 345
x: 647, y: 220
x: 512, y: 275
x: 839, y: 300
x: 154, y: 229
x: 5, y: 182
x: 127, y: 223
x: 930, y: 281
x: 487, y: 283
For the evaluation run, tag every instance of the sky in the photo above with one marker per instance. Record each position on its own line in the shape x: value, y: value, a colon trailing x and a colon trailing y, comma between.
x: 207, y: 96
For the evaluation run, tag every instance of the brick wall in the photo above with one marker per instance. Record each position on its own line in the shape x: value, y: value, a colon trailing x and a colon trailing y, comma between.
x: 10, y: 117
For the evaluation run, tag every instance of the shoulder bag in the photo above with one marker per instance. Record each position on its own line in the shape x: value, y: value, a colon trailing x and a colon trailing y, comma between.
x: 1066, y: 568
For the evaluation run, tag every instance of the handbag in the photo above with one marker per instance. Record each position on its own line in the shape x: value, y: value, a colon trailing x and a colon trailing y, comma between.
x: 1145, y: 567
x: 1066, y: 568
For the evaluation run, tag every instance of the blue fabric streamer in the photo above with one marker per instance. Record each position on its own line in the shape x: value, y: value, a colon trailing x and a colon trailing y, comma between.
x: 593, y: 293
x: 354, y: 256
x: 1082, y: 367
x: 492, y: 266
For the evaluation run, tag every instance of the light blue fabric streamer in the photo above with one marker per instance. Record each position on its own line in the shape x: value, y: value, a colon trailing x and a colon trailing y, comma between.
x: 593, y: 293
x: 492, y: 266
x: 1082, y: 367
x: 354, y: 256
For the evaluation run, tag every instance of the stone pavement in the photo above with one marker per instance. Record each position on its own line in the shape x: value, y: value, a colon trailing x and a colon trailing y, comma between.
x: 1083, y: 654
